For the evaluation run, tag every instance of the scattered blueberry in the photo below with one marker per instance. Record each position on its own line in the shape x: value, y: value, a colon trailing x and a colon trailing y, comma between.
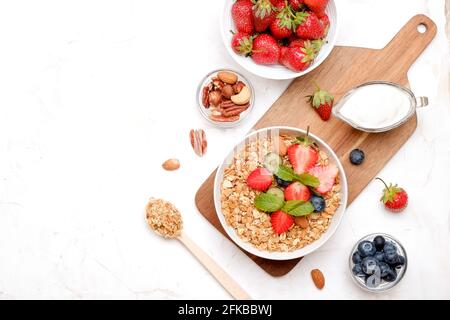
x: 282, y: 183
x: 357, y: 270
x: 369, y: 264
x: 379, y: 242
x: 318, y: 203
x: 366, y: 248
x: 389, y: 246
x: 379, y: 256
x: 391, y: 276
x: 384, y: 268
x: 357, y: 156
x: 356, y: 257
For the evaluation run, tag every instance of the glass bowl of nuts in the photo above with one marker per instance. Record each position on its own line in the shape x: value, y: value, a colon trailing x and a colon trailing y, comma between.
x: 225, y: 98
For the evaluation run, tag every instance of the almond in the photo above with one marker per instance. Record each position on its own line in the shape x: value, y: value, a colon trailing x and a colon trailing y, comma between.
x: 318, y: 278
x: 171, y: 164
x: 227, y: 77
x: 302, y: 222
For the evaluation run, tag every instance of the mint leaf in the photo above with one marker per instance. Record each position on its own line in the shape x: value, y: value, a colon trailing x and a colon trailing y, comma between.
x: 307, y: 179
x: 285, y: 173
x: 291, y: 205
x: 268, y: 202
x: 302, y: 210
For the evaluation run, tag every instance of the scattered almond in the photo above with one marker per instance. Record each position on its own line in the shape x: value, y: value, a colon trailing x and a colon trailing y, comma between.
x: 171, y: 164
x: 318, y: 278
x: 227, y: 77
x: 302, y: 222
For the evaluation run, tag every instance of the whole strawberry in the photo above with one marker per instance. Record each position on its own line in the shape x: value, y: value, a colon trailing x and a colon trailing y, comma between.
x: 298, y: 58
x: 264, y: 12
x: 322, y: 102
x: 242, y: 43
x: 296, y: 4
x: 265, y: 50
x: 309, y: 26
x: 317, y: 6
x: 394, y: 198
x: 325, y: 23
x: 283, y: 24
x: 242, y: 14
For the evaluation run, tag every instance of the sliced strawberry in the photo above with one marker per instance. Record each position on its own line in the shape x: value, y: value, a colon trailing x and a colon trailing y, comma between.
x: 297, y: 191
x: 326, y: 175
x: 281, y: 222
x: 302, y: 157
x: 260, y: 179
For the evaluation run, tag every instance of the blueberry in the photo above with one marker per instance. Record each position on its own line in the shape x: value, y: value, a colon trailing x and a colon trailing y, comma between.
x: 389, y: 246
x: 357, y: 156
x: 366, y: 248
x: 385, y: 269
x: 391, y: 257
x: 369, y: 264
x: 379, y: 256
x: 282, y: 183
x: 318, y: 203
x: 379, y: 241
x: 356, y: 257
x: 391, y: 276
x: 357, y: 270
x: 400, y: 262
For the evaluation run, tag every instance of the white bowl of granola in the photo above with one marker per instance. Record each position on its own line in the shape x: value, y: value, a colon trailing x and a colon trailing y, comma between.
x: 278, y: 196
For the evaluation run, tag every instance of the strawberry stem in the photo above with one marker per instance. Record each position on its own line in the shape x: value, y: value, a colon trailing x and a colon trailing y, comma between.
x: 383, y: 182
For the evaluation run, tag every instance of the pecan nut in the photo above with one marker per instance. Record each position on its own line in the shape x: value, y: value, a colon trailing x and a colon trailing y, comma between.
x: 198, y: 141
x: 205, y: 97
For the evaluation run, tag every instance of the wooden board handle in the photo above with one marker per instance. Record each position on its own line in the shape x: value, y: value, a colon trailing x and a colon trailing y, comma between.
x: 416, y: 42
x: 221, y: 276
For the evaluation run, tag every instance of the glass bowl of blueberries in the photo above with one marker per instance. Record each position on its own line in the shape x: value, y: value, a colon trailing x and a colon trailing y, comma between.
x: 378, y: 262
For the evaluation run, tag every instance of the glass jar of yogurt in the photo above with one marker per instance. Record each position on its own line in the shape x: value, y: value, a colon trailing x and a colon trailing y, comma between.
x: 378, y: 106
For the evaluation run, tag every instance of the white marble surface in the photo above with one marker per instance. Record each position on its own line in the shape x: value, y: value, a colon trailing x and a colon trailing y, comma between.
x: 94, y: 95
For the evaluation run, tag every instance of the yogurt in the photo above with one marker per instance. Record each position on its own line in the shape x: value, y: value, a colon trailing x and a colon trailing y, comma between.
x: 376, y: 106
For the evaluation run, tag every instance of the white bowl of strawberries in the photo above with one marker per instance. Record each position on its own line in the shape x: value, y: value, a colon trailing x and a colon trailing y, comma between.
x: 279, y: 39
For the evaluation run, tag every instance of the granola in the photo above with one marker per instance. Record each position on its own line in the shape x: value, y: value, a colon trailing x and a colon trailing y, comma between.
x: 254, y: 226
x: 163, y: 218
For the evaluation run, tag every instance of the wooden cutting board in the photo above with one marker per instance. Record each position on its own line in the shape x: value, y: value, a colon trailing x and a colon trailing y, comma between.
x: 345, y: 68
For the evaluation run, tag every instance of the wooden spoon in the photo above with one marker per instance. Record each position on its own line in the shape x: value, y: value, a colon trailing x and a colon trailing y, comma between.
x: 163, y: 218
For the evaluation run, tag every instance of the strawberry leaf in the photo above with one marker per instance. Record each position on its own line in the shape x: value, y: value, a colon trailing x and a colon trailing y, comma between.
x: 268, y: 202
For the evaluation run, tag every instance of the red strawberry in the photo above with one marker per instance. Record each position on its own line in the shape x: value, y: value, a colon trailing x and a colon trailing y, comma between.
x: 302, y: 156
x: 326, y: 175
x: 260, y: 179
x: 281, y: 221
x: 309, y: 26
x: 282, y: 26
x: 394, y: 198
x: 296, y: 4
x: 265, y: 50
x: 297, y: 191
x: 242, y: 43
x: 298, y: 58
x: 325, y: 21
x: 297, y: 43
x: 263, y: 14
x: 317, y: 6
x: 242, y: 13
x: 322, y: 102
x: 282, y: 53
